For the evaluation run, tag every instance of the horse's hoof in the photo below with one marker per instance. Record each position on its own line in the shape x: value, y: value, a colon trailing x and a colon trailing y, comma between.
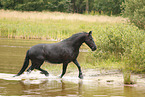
x: 59, y: 77
x: 15, y: 75
x: 81, y: 76
x: 41, y: 72
x: 47, y: 75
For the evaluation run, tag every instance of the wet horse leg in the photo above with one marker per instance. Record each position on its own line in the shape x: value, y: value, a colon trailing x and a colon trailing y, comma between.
x: 31, y: 68
x: 43, y: 71
x: 64, y: 69
x: 38, y: 65
x: 79, y: 68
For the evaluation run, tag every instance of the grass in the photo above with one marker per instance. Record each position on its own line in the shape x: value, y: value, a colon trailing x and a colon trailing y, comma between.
x: 50, y: 25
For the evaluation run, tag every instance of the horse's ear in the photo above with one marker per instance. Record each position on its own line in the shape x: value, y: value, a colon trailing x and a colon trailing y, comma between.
x: 90, y: 33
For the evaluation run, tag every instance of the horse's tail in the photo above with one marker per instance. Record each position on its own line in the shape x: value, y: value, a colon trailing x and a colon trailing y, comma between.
x: 25, y: 65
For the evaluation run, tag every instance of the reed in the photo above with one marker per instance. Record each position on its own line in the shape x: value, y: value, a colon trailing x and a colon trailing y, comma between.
x: 127, y: 78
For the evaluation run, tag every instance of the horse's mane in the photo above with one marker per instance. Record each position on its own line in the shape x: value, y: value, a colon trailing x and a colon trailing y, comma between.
x: 74, y: 36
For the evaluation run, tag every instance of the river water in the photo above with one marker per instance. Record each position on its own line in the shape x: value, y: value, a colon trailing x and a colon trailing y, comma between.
x: 12, y: 53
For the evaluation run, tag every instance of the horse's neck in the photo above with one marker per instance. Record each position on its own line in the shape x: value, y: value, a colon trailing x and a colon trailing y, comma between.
x: 76, y: 43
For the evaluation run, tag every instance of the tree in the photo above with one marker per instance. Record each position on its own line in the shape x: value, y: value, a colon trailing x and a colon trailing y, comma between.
x: 8, y: 4
x: 76, y: 6
x: 135, y: 10
x: 108, y: 7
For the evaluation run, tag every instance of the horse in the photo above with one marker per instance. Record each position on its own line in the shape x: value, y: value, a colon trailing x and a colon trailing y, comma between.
x: 64, y: 52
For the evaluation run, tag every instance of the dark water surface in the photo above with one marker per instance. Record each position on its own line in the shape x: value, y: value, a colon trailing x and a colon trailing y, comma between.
x: 12, y: 53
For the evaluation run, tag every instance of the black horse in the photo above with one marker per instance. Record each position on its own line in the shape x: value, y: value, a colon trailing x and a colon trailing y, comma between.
x: 64, y: 52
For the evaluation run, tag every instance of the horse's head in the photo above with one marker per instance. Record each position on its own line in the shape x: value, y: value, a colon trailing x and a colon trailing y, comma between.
x: 90, y: 42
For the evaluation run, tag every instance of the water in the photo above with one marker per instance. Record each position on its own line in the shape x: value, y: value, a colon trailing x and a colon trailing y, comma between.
x: 12, y: 53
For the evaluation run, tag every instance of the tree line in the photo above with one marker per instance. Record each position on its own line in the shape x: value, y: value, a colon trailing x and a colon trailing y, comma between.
x: 108, y: 7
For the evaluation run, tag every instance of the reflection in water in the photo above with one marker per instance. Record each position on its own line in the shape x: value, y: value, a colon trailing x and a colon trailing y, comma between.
x: 57, y: 87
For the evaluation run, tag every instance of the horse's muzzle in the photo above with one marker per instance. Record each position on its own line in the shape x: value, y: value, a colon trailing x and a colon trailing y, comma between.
x: 94, y: 48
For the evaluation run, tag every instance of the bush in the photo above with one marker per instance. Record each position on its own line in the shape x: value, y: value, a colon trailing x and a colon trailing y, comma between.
x: 135, y: 10
x: 122, y: 43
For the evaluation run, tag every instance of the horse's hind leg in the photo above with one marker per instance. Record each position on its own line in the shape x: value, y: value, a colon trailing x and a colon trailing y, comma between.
x: 43, y: 71
x: 32, y: 67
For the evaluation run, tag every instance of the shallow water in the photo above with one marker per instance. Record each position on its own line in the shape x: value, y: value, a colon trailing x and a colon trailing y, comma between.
x: 12, y: 53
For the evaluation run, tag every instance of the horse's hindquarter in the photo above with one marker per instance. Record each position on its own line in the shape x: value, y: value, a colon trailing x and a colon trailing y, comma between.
x: 36, y: 52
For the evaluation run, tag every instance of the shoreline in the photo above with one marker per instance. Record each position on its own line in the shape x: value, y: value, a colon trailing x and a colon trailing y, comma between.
x: 105, y: 78
x: 110, y: 77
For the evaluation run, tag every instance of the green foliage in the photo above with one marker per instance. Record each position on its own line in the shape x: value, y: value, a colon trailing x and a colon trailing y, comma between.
x: 77, y: 6
x: 108, y: 7
x: 36, y: 5
x: 58, y: 5
x: 3, y: 32
x: 127, y: 78
x: 7, y: 4
x: 122, y: 43
x: 31, y: 5
x: 135, y: 10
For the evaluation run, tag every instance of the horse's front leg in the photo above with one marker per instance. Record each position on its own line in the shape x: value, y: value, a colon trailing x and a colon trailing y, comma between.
x: 79, y: 68
x: 64, y: 69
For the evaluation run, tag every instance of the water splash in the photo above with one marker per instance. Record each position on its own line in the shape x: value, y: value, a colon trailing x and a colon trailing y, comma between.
x: 36, y: 78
